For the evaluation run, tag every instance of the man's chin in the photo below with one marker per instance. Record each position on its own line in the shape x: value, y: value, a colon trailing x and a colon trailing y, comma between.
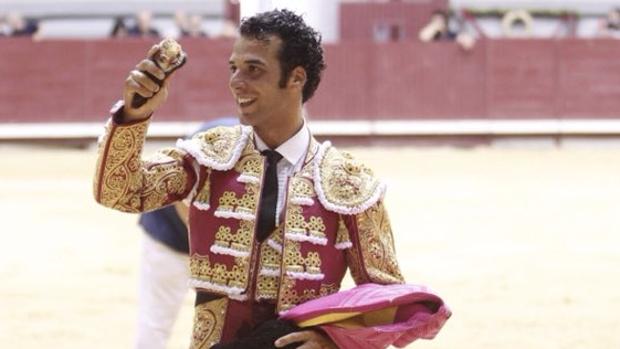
x: 246, y: 119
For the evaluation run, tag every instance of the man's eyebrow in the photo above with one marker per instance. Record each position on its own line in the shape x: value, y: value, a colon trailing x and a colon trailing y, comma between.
x: 254, y: 61
x: 249, y: 61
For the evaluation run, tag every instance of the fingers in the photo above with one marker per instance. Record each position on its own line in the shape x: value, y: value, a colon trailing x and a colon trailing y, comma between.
x: 152, y: 51
x: 144, y: 80
x: 140, y: 82
x: 294, y: 337
x: 149, y: 66
x: 132, y: 85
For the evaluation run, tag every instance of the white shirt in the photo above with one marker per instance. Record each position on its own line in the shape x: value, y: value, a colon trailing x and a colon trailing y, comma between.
x: 293, y: 153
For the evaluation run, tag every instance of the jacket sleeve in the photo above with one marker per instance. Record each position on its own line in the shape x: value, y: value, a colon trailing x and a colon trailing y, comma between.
x: 372, y: 256
x: 125, y: 182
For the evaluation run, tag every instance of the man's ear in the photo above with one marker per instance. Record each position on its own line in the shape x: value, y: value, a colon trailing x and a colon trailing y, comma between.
x: 298, y: 77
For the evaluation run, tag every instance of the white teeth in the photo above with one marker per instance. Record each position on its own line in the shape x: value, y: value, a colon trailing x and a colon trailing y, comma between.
x: 244, y: 100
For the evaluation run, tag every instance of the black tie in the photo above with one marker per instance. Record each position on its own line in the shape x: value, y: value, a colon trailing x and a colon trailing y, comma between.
x: 269, y: 196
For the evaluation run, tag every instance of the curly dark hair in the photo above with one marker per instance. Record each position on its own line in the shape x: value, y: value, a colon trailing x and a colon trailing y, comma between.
x: 301, y: 45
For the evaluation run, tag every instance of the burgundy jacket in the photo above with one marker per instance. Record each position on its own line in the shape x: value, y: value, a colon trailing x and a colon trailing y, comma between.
x: 333, y: 219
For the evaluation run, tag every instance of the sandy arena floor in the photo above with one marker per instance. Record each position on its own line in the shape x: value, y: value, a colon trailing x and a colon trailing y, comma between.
x: 524, y: 245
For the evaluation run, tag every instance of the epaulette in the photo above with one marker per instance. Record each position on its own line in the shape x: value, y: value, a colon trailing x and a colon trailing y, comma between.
x: 218, y: 148
x: 343, y: 184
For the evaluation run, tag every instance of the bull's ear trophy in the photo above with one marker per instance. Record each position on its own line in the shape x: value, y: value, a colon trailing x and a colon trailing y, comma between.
x: 168, y: 58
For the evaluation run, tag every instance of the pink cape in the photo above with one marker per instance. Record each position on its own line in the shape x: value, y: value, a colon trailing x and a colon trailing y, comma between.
x: 419, y: 313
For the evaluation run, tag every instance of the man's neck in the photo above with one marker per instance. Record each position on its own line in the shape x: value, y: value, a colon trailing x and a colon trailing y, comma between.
x: 278, y: 134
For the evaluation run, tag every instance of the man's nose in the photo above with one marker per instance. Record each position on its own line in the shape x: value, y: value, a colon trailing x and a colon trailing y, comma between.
x: 237, y: 82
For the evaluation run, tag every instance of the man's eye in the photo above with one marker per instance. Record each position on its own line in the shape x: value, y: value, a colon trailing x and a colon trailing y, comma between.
x: 232, y: 68
x: 252, y: 69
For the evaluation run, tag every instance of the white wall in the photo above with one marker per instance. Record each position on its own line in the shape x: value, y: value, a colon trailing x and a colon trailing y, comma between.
x: 583, y: 6
x: 322, y: 15
x: 48, y: 8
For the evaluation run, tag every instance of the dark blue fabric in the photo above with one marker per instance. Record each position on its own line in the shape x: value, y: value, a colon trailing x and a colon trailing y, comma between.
x: 164, y: 224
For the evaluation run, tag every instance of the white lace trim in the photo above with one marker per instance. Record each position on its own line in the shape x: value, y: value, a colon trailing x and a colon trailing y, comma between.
x: 240, y: 298
x: 308, y: 238
x: 201, y: 205
x: 193, y: 147
x: 228, y: 251
x: 302, y: 201
x: 232, y: 292
x: 263, y: 297
x: 343, y: 245
x: 232, y: 214
x: 244, y: 178
x: 275, y: 245
x: 270, y: 272
x: 192, y: 194
x: 342, y: 209
x: 304, y: 276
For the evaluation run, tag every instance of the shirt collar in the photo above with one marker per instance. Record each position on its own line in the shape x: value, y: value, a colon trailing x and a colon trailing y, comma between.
x: 294, y: 149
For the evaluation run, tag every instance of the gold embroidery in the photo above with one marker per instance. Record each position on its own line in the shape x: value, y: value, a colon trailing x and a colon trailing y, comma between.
x: 216, y: 277
x: 312, y: 230
x: 289, y: 296
x: 250, y: 165
x: 343, y: 240
x: 269, y: 268
x: 243, y: 207
x: 163, y: 175
x: 316, y: 227
x: 307, y: 170
x: 266, y: 287
x: 301, y: 188
x: 327, y: 289
x: 241, y: 241
x: 219, y: 143
x: 247, y: 203
x: 313, y: 263
x: 203, y: 197
x: 377, y: 245
x: 130, y: 185
x: 355, y: 266
x: 295, y: 222
x: 228, y: 200
x: 345, y: 181
x: 249, y: 149
x: 295, y: 262
x: 101, y: 145
x: 209, y: 321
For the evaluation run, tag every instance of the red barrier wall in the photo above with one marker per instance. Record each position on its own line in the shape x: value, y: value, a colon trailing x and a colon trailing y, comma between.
x: 80, y: 80
x: 359, y: 19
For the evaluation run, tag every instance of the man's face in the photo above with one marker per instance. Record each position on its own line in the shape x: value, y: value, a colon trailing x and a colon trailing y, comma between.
x: 254, y: 82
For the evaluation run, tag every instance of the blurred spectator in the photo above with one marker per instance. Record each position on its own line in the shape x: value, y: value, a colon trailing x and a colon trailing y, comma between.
x: 517, y: 24
x: 4, y: 29
x: 19, y: 26
x: 610, y: 25
x: 180, y: 19
x: 143, y: 26
x: 193, y: 27
x: 386, y: 32
x: 438, y: 29
x: 189, y: 26
x: 119, y: 29
x: 228, y: 30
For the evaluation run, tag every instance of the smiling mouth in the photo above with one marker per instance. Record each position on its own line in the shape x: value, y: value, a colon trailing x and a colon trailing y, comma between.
x: 245, y: 102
